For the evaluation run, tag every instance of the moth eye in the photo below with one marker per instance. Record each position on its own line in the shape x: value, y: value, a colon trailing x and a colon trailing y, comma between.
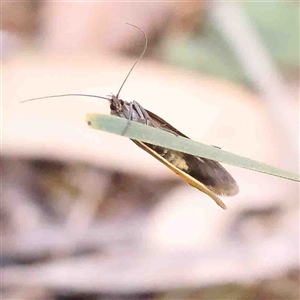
x: 122, y: 102
x: 112, y: 106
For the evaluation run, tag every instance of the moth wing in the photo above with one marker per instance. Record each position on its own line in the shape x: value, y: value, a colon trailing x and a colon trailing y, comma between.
x: 159, y: 122
x: 209, y: 172
x: 212, y: 174
x: 189, y: 179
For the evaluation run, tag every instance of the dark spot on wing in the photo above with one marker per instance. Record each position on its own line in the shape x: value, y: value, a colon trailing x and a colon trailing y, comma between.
x: 207, y: 171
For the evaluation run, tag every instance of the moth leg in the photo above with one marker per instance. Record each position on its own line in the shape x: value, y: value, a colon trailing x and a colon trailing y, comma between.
x: 144, y: 115
x: 141, y: 111
x: 129, y: 118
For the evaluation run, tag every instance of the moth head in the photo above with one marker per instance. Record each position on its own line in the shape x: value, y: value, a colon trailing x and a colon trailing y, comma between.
x: 116, y: 104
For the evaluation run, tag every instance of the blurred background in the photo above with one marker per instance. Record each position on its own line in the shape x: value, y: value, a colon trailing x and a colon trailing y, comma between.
x: 88, y: 215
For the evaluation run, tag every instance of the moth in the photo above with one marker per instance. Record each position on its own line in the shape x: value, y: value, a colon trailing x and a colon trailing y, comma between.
x: 207, y: 175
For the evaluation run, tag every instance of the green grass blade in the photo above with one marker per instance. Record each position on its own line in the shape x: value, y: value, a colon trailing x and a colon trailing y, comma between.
x: 162, y: 138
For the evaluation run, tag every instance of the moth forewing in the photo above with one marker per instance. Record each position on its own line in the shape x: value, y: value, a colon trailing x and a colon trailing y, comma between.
x: 189, y: 179
x: 209, y: 172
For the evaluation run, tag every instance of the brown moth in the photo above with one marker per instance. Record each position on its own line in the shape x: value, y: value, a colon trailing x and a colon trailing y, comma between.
x: 206, y: 175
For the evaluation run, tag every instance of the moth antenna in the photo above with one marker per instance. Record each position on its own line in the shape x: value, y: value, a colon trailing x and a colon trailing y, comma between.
x: 66, y: 95
x: 141, y: 56
x: 95, y: 96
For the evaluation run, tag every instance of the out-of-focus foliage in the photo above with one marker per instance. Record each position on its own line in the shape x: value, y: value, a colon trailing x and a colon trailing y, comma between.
x: 207, y: 51
x: 278, y: 26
